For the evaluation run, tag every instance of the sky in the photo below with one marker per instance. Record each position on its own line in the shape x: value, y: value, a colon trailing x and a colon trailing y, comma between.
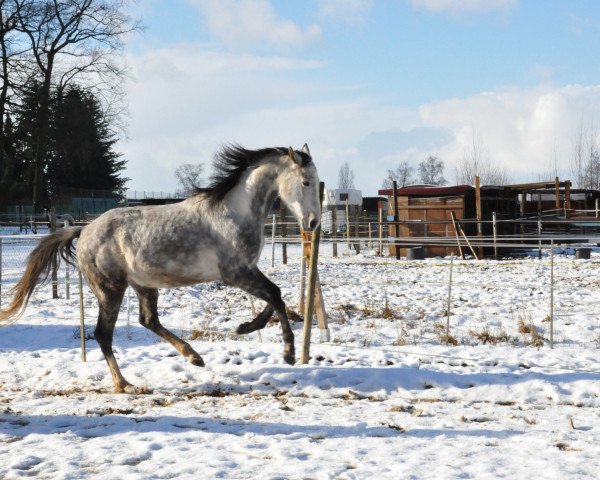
x: 370, y: 82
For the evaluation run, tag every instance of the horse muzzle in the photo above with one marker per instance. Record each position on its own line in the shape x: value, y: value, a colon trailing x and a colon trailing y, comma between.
x: 311, y: 223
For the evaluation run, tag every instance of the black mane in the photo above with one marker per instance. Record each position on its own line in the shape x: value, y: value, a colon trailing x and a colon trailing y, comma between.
x: 232, y: 161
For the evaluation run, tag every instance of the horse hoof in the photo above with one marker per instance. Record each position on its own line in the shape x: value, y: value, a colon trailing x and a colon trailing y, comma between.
x: 245, y: 327
x: 290, y: 358
x: 132, y: 390
x: 197, y: 361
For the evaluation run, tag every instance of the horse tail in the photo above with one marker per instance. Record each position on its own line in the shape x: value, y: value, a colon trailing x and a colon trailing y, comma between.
x: 38, y: 268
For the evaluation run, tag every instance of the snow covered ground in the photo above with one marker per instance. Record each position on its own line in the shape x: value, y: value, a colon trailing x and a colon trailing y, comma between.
x: 386, y: 398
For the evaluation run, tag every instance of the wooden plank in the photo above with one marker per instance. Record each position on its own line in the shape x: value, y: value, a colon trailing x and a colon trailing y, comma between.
x: 454, y: 224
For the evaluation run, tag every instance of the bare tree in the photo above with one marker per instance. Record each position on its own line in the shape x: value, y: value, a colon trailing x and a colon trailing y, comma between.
x: 69, y: 38
x: 8, y: 27
x: 585, y: 163
x: 346, y: 176
x: 402, y: 174
x: 431, y: 171
x: 476, y: 162
x: 577, y: 160
x: 189, y: 176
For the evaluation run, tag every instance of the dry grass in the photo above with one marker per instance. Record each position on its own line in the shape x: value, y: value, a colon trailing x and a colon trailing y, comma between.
x: 198, y: 334
x: 485, y: 336
x: 531, y: 334
x: 443, y: 337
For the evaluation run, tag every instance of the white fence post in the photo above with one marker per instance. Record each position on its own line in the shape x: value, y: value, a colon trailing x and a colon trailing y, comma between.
x: 495, y: 229
x: 67, y: 274
x: 449, y: 300
x: 0, y: 271
x: 81, y: 318
x: 551, y: 293
x: 539, y: 226
x: 273, y: 243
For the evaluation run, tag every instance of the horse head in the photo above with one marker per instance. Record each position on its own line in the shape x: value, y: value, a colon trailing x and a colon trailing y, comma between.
x: 299, y: 188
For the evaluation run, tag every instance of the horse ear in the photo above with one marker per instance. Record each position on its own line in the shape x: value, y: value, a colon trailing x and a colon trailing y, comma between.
x: 293, y: 155
x: 305, y: 149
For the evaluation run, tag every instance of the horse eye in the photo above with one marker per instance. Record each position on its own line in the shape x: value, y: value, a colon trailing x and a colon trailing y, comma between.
x: 306, y: 184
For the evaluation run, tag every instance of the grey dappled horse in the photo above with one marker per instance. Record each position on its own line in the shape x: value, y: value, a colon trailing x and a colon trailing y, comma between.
x: 216, y: 235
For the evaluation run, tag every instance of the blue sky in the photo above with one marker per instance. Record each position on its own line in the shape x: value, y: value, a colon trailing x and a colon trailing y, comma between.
x: 373, y: 83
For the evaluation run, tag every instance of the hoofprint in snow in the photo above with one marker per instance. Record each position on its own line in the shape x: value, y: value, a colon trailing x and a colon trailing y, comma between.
x: 386, y: 398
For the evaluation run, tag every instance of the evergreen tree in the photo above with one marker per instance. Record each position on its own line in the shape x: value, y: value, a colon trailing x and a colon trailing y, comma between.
x: 81, y: 153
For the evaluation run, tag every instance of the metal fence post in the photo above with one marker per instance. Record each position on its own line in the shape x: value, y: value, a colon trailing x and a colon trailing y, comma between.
x: 449, y: 300
x: 273, y: 244
x: 495, y: 230
x: 551, y: 293
x: 67, y: 274
x: 539, y: 226
x: 81, y: 318
x: 0, y: 271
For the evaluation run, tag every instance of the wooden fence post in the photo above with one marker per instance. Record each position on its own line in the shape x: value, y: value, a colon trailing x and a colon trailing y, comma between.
x: 456, y: 232
x: 302, y: 298
x: 396, y: 218
x: 310, y: 294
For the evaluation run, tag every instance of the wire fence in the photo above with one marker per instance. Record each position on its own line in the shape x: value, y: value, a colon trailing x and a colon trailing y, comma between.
x: 379, y: 302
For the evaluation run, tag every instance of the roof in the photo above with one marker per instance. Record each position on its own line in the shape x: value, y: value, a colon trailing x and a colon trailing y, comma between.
x: 419, y: 191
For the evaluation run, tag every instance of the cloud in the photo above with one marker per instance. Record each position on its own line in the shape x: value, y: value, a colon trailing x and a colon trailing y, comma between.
x: 464, y: 6
x: 251, y: 23
x: 522, y: 129
x: 188, y: 100
x: 347, y: 11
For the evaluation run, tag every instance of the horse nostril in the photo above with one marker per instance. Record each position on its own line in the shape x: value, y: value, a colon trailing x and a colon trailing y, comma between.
x: 313, y: 224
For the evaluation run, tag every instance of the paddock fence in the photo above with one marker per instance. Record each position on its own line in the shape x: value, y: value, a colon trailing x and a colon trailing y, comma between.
x: 531, y: 301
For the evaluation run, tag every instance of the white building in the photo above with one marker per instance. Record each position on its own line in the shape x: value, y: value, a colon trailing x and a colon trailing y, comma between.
x: 337, y: 199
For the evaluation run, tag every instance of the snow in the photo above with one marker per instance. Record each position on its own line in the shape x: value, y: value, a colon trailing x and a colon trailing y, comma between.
x: 386, y: 398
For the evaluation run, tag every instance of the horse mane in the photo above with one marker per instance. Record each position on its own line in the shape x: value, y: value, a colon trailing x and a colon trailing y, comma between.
x: 232, y: 161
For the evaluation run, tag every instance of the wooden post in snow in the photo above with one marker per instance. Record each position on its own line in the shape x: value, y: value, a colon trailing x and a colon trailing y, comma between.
x: 567, y: 198
x: 311, y: 290
x: 396, y: 218
x: 478, y: 213
x: 455, y: 225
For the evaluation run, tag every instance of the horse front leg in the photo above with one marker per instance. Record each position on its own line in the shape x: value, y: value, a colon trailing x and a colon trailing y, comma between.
x: 253, y: 281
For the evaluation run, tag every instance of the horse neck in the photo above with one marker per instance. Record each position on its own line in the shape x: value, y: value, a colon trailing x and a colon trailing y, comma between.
x: 252, y: 198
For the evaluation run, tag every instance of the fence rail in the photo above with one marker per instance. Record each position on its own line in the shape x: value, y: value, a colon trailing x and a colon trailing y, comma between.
x: 541, y: 303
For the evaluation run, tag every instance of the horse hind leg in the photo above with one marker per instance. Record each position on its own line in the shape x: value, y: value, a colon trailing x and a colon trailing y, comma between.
x: 253, y: 281
x: 109, y: 302
x: 258, y: 323
x: 148, y: 298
